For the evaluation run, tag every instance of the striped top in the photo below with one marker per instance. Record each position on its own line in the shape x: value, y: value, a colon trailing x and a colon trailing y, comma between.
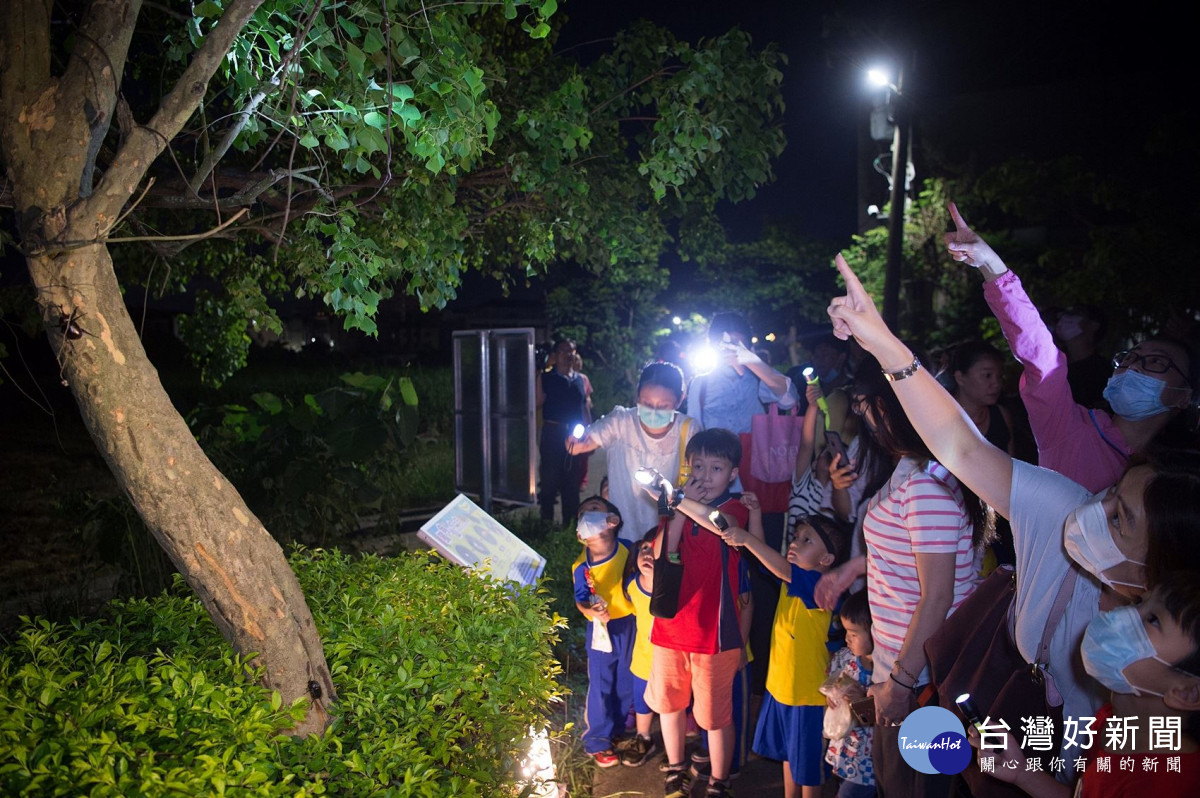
x: 920, y: 510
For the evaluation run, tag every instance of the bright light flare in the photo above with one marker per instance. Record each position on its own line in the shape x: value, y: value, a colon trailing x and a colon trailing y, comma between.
x: 879, y: 77
x: 577, y: 433
x: 537, y: 768
x: 645, y: 476
x: 705, y: 358
x: 676, y: 320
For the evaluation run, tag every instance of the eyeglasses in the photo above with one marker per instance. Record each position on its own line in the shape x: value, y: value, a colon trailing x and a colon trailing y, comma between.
x: 1151, y: 363
x: 859, y: 405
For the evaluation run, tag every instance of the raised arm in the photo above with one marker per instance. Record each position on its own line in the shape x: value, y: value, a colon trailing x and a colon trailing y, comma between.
x: 937, y: 417
x: 768, y: 556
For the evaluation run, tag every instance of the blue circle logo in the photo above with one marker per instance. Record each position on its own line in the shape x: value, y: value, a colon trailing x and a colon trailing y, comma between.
x: 932, y: 740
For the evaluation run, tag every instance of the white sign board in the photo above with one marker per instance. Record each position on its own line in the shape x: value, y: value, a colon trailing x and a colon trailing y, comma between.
x: 464, y: 534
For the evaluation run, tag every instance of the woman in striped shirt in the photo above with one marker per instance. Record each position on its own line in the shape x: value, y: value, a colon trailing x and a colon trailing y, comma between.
x: 921, y: 530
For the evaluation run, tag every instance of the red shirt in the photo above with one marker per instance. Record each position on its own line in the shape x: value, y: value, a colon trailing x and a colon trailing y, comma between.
x: 707, y: 621
x: 1165, y: 780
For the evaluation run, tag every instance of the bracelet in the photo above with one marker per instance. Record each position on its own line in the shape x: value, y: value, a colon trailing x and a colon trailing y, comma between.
x: 905, y: 671
x: 912, y: 688
x: 904, y: 373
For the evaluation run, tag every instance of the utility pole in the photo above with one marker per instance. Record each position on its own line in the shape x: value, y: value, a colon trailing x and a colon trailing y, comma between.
x: 901, y: 148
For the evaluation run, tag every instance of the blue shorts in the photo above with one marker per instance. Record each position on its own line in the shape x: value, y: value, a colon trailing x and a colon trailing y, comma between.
x: 639, y: 697
x: 793, y: 735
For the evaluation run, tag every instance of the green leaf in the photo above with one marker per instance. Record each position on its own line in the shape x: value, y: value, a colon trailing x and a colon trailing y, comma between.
x: 402, y: 91
x: 348, y: 26
x: 207, y: 9
x: 375, y: 120
x: 356, y: 57
x: 308, y: 140
x: 407, y: 392
x: 548, y: 8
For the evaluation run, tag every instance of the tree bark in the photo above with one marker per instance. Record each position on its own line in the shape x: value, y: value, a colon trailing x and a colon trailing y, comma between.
x: 48, y: 129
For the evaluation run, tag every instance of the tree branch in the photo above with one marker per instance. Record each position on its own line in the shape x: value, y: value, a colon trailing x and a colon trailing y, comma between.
x: 244, y: 115
x: 146, y: 143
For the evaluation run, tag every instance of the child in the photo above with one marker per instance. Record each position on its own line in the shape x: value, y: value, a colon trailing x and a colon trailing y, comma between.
x: 597, y: 575
x: 698, y: 652
x: 851, y: 755
x: 790, y: 720
x: 1148, y: 655
x: 639, y: 584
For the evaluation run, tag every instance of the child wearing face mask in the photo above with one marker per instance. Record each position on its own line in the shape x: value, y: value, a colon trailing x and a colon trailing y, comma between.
x: 653, y: 435
x: 1148, y: 655
x: 597, y: 575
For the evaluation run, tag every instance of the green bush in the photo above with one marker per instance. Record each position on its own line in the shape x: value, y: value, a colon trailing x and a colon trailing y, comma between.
x: 440, y: 675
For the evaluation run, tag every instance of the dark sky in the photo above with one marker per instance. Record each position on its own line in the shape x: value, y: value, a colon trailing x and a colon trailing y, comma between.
x: 992, y: 80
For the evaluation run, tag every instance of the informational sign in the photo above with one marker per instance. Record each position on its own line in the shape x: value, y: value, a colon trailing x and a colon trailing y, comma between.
x: 464, y: 534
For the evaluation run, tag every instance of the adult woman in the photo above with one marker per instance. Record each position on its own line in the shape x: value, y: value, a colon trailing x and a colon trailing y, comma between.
x: 652, y: 435
x: 1151, y: 384
x: 1147, y: 524
x: 921, y: 531
x: 977, y: 368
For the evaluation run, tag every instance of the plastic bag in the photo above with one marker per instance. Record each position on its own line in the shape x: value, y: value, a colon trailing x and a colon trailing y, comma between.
x: 838, y: 718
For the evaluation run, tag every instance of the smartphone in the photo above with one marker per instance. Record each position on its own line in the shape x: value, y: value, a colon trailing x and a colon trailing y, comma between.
x: 864, y: 711
x: 835, y: 445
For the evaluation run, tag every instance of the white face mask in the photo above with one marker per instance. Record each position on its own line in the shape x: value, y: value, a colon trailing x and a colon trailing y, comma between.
x: 1090, y: 543
x: 591, y: 524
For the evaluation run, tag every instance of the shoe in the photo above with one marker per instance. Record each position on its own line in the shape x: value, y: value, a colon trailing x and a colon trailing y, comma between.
x: 700, y: 755
x: 678, y: 783
x: 718, y: 789
x: 700, y: 771
x: 664, y: 764
x: 638, y: 751
x: 605, y: 758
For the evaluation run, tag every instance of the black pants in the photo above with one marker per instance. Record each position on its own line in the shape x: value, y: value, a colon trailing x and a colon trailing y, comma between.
x: 559, y: 473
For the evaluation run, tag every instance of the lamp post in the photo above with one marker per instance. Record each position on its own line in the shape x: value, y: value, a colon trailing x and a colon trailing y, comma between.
x: 901, y: 147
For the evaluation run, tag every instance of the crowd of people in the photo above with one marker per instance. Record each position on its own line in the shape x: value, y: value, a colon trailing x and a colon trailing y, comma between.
x: 905, y: 489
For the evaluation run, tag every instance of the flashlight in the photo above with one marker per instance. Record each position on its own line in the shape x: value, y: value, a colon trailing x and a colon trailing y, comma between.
x: 812, y: 379
x: 648, y: 477
x: 705, y: 359
x: 577, y: 433
x: 718, y: 520
x: 969, y: 710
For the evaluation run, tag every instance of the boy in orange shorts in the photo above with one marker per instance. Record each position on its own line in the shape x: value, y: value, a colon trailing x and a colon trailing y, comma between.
x: 699, y: 651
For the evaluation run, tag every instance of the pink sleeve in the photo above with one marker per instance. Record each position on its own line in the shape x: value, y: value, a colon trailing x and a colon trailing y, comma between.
x: 934, y: 514
x: 1053, y: 414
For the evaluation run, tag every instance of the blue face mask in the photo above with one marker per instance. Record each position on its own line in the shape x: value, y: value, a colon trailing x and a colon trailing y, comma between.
x: 1112, y: 642
x: 1135, y: 396
x: 655, y: 418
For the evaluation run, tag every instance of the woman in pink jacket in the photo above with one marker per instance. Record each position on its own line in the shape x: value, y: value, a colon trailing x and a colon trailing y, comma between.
x: 1151, y: 383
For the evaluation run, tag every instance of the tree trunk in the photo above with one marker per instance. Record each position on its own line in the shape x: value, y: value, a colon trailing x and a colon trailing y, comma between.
x: 50, y: 130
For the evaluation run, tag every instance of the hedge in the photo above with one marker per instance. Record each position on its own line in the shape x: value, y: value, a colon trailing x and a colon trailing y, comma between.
x: 440, y: 676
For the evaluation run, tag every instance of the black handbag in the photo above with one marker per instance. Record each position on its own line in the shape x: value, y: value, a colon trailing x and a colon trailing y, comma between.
x: 668, y: 579
x: 973, y: 652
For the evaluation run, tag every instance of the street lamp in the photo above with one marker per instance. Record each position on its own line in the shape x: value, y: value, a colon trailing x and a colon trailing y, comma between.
x: 901, y: 150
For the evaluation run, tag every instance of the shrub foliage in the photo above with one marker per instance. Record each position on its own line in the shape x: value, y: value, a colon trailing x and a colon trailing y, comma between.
x: 440, y: 676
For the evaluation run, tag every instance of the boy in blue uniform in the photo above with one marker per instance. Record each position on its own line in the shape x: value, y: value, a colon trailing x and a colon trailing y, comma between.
x: 597, y: 577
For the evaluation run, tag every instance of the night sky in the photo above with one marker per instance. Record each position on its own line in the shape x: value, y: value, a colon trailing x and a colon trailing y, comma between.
x: 992, y: 80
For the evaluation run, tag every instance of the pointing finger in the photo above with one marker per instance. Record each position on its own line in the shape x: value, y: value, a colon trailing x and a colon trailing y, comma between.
x: 959, y: 223
x: 854, y: 289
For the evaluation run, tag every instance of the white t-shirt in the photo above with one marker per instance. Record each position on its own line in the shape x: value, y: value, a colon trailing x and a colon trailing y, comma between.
x: 628, y: 448
x: 1040, y: 502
